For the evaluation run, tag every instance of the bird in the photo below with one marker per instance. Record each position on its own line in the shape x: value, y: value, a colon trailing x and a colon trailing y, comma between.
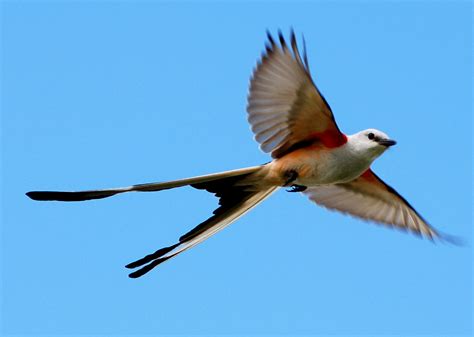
x: 293, y: 122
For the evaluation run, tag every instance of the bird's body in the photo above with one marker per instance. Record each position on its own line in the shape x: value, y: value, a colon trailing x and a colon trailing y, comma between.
x: 292, y: 121
x: 320, y: 165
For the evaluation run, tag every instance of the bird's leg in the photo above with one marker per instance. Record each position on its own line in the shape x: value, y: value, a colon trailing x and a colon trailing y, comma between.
x: 291, y: 176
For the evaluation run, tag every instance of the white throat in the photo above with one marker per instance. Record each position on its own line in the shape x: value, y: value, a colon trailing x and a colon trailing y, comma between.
x: 363, y: 148
x: 349, y: 161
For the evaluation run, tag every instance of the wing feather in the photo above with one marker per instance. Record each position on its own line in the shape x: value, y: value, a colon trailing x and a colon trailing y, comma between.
x: 281, y: 86
x: 269, y: 132
x: 261, y: 125
x: 369, y: 198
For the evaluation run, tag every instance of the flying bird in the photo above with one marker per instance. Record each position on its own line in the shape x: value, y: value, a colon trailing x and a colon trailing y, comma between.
x: 293, y: 122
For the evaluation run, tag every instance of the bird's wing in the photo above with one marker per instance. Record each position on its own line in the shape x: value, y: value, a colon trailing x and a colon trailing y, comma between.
x: 285, y: 109
x: 234, y: 202
x: 369, y: 198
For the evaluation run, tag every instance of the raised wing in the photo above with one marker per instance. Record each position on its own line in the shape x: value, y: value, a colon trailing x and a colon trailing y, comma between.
x: 369, y: 198
x: 285, y: 109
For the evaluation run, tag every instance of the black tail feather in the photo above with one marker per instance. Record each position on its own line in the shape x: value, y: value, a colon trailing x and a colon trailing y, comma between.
x: 148, y: 267
x: 69, y: 196
x: 150, y: 257
x: 230, y: 194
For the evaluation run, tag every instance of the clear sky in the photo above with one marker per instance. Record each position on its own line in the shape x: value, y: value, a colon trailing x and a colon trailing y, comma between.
x: 107, y: 94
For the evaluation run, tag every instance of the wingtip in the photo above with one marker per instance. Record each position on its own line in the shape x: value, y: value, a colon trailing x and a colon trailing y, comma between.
x: 305, y: 54
x: 452, y: 239
x: 268, y: 50
x: 270, y: 38
x: 292, y: 37
x: 435, y: 236
x: 282, y: 39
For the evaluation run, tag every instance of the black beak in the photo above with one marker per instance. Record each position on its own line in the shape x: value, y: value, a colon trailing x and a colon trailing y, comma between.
x: 386, y: 142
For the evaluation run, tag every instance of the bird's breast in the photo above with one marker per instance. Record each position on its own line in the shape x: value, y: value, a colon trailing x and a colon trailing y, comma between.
x: 321, y: 166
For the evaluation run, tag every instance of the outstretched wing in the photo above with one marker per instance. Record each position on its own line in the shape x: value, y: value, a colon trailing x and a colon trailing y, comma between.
x: 234, y: 201
x: 369, y: 198
x: 285, y: 109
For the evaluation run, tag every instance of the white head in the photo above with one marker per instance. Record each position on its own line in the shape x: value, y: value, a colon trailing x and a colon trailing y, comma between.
x: 371, y: 143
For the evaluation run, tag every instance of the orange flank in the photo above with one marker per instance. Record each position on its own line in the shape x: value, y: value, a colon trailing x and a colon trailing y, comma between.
x: 299, y: 160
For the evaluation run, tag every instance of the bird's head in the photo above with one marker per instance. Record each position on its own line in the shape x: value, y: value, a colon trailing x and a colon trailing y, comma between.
x: 371, y: 142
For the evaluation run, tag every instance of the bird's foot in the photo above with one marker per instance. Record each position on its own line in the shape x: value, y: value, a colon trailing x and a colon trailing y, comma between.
x: 297, y: 188
x: 290, y: 176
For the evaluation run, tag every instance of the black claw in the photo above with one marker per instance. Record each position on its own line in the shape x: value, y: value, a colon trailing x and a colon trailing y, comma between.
x: 297, y: 188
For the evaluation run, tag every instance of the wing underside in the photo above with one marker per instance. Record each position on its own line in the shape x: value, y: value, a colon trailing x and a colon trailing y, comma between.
x: 371, y: 199
x: 285, y: 108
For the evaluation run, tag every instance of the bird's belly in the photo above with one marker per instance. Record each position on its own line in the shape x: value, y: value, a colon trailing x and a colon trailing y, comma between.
x: 316, y: 167
x: 332, y: 175
x: 328, y: 168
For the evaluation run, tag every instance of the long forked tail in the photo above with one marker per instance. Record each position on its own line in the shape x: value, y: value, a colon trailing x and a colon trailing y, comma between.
x: 150, y: 187
x: 234, y: 202
x: 238, y: 191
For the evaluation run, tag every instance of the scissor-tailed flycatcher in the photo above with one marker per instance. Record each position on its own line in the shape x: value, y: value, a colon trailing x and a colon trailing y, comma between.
x: 292, y: 121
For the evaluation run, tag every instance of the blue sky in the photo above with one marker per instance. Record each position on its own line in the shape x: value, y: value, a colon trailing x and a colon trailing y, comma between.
x: 106, y: 94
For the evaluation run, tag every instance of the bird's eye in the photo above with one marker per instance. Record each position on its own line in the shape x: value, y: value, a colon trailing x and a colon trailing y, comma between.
x: 371, y: 136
